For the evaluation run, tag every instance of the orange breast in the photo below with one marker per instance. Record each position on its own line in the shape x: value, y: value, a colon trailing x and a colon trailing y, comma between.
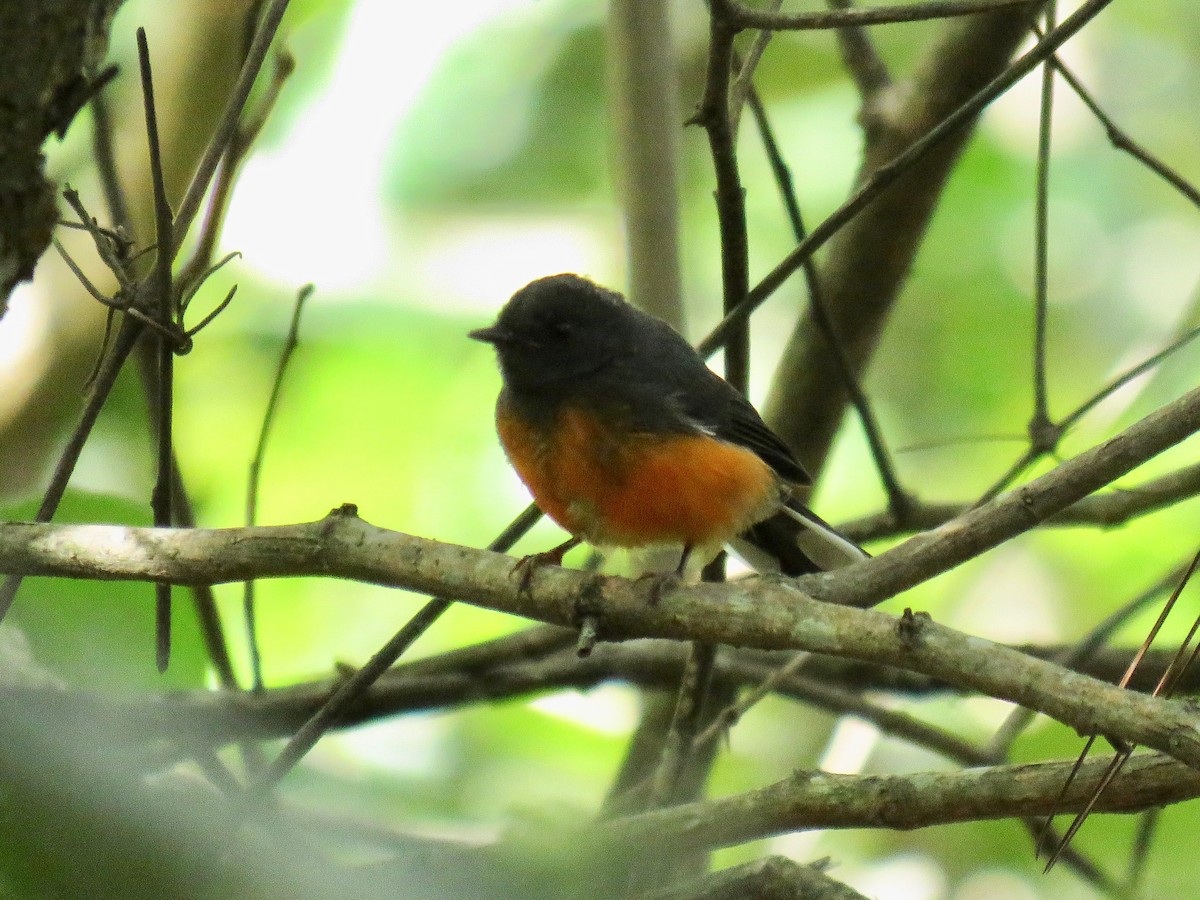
x: 632, y: 490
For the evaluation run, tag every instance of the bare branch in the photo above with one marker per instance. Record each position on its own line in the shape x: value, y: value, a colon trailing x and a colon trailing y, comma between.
x: 812, y: 800
x: 753, y: 614
x: 774, y: 876
x: 885, y: 175
x: 984, y: 527
x: 899, y: 500
x: 1122, y: 141
x: 99, y: 389
x: 331, y: 712
x: 1107, y: 510
x: 714, y: 116
x: 743, y: 84
x: 747, y: 17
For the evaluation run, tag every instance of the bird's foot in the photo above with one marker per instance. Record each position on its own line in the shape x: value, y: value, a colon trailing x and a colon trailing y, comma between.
x: 661, y: 584
x: 527, y: 566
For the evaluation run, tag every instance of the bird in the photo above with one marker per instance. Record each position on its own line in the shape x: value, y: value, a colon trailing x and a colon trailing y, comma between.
x: 626, y: 438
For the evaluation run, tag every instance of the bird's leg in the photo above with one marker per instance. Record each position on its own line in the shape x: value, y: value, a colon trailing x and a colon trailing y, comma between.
x: 534, y: 561
x: 683, y: 560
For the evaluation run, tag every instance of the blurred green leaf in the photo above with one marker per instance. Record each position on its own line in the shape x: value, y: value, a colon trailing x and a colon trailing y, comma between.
x: 100, y: 634
x: 513, y: 115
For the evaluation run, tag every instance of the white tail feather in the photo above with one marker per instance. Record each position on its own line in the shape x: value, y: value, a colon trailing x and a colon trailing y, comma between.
x: 822, y: 544
x: 816, y: 539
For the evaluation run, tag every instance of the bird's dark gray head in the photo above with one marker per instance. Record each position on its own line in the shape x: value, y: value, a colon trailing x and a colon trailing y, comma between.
x: 557, y: 329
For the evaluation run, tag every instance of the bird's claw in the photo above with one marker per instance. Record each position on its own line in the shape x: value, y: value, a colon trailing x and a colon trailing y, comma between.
x: 528, y: 565
x: 661, y: 583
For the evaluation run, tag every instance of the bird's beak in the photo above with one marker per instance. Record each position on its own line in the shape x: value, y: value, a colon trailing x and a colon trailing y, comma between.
x: 493, y: 334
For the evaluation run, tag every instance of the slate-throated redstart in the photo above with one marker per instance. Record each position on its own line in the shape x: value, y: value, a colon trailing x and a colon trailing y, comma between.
x: 626, y: 438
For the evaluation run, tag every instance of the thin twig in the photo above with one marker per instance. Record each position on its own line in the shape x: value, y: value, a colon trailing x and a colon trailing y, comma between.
x: 194, y: 284
x: 101, y: 387
x: 743, y: 84
x: 112, y: 247
x: 198, y: 268
x: 106, y: 166
x: 260, y: 451
x: 887, y: 174
x: 232, y: 114
x: 1122, y: 141
x: 900, y: 502
x: 713, y: 115
x: 1051, y: 434
x: 162, y: 291
x: 217, y: 310
x: 81, y: 276
x: 1123, y: 753
x: 1127, y: 376
x: 1042, y: 433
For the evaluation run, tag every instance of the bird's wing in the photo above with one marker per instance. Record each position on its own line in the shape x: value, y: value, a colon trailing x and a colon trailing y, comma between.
x: 742, y: 425
x: 700, y: 399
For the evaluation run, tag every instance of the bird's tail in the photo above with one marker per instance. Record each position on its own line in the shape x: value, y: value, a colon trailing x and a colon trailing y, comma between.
x: 796, y: 541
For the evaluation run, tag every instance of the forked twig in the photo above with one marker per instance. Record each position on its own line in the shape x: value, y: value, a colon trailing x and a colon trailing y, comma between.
x: 1051, y: 434
x: 1121, y: 140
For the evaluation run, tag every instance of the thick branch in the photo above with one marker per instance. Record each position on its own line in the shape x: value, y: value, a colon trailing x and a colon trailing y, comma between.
x: 977, y: 530
x: 811, y: 800
x: 747, y: 17
x: 771, y: 878
x: 754, y: 613
x: 508, y: 669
